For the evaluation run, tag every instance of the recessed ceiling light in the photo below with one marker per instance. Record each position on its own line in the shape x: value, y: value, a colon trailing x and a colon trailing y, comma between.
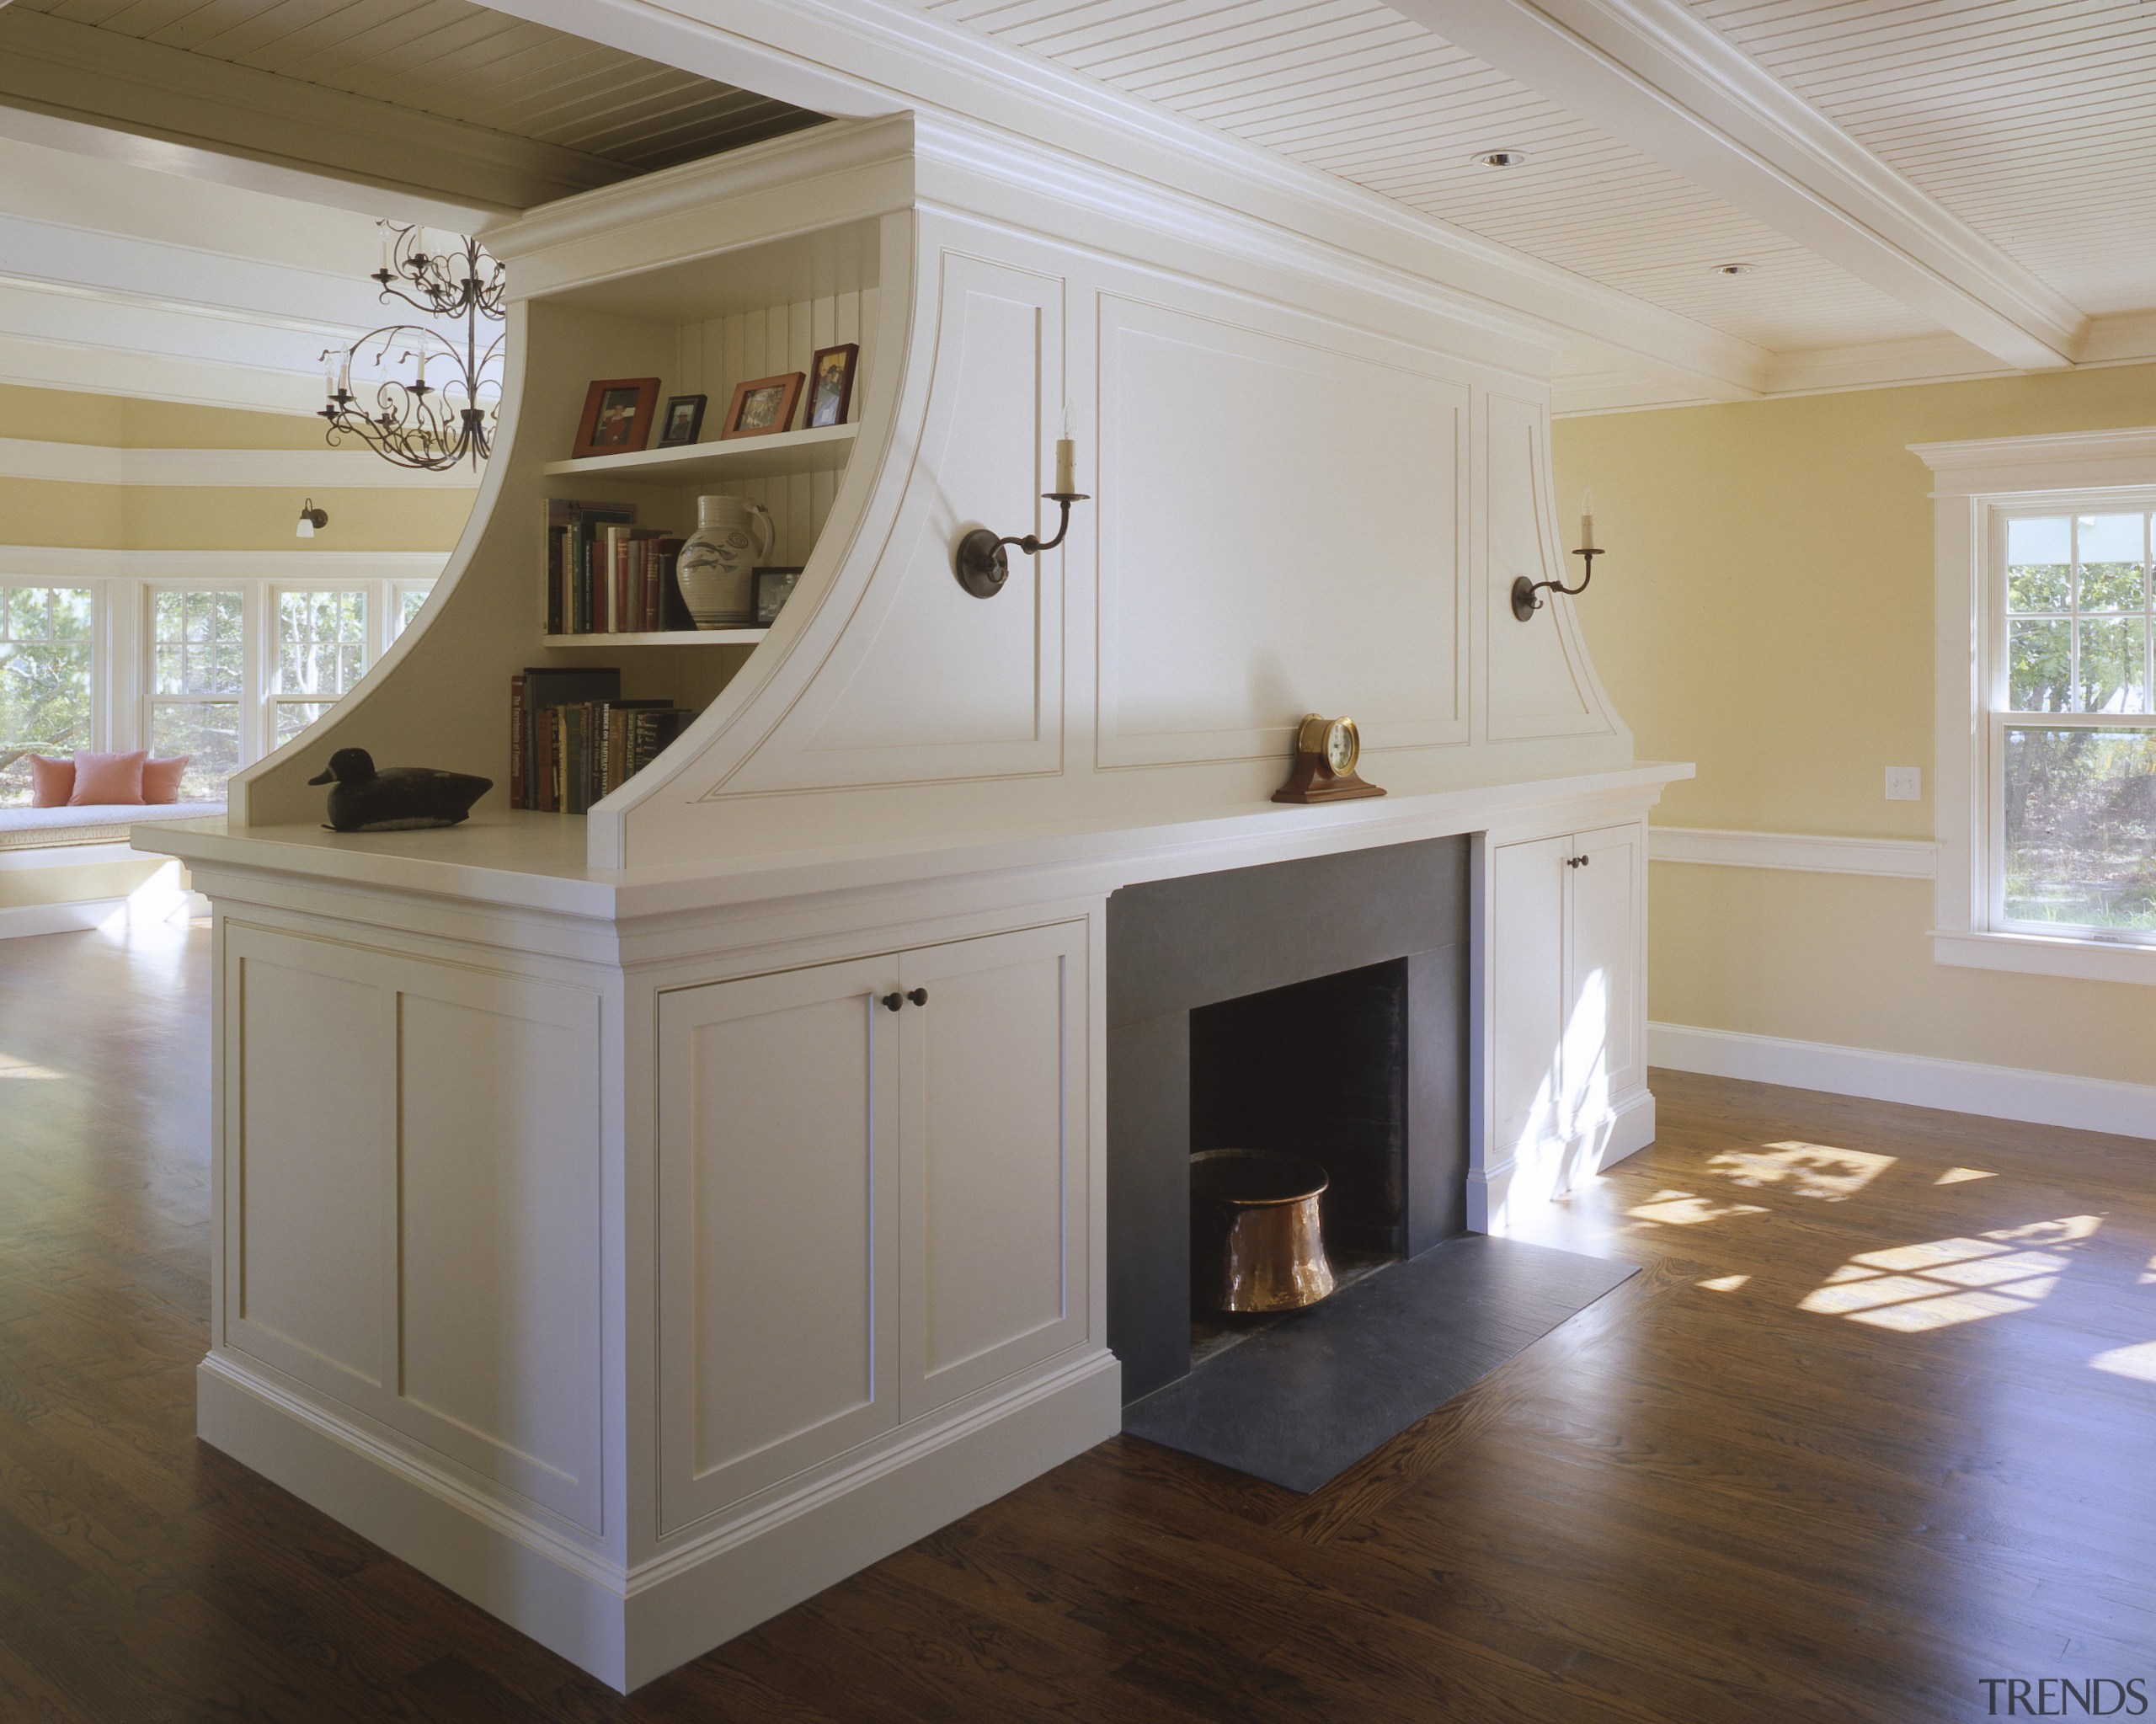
x: 1735, y: 268
x: 1502, y: 158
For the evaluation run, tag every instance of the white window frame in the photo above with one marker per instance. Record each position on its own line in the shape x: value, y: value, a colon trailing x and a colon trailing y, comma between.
x: 1976, y: 487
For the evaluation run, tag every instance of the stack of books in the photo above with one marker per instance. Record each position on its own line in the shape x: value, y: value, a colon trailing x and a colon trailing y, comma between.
x: 607, y: 575
x: 573, y: 739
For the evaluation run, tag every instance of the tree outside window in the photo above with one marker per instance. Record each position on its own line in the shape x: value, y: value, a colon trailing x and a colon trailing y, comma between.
x: 45, y: 680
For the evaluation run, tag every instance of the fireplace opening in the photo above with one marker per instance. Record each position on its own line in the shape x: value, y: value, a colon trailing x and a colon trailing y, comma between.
x: 1316, y: 1008
x: 1315, y: 1071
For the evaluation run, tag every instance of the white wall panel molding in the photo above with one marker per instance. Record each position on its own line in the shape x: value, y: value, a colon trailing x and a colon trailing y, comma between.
x: 1651, y: 72
x: 1803, y: 853
x: 320, y: 469
x: 65, y: 562
x: 1955, y: 1086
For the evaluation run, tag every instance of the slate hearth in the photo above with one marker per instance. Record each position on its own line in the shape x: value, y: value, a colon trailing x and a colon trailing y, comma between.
x: 1318, y: 1006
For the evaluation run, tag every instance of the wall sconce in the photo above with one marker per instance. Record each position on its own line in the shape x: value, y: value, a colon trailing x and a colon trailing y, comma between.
x: 1525, y: 604
x: 981, y: 562
x: 311, y: 519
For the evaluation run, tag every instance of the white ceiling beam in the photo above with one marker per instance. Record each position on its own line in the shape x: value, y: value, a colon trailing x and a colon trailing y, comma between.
x: 76, y: 72
x: 1652, y: 73
x: 863, y: 58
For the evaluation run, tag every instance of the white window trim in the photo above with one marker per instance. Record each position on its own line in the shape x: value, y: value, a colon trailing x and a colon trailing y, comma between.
x: 1972, y: 483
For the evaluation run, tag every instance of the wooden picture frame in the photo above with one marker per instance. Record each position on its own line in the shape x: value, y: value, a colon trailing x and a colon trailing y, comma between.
x: 763, y: 407
x: 774, y: 586
x: 618, y: 413
x: 830, y: 384
x: 682, y: 420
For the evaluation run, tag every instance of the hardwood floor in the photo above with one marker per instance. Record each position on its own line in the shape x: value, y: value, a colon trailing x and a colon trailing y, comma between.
x: 1874, y: 1424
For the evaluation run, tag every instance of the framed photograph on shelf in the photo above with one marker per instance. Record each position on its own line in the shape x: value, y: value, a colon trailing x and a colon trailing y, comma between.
x: 764, y: 407
x: 831, y: 386
x: 617, y: 417
x: 684, y: 418
x: 774, y: 587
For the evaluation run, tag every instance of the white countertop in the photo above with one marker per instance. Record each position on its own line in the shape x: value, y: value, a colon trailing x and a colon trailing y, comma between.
x: 537, y: 860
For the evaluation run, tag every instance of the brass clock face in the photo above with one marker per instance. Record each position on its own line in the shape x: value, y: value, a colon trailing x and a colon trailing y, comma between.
x: 1343, y: 746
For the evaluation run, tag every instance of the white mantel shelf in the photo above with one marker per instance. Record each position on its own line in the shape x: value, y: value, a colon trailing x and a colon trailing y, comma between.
x: 824, y: 449
x: 535, y: 861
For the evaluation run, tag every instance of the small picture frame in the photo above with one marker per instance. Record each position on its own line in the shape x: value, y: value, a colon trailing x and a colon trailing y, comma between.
x: 617, y: 417
x: 683, y: 418
x: 764, y: 407
x: 774, y: 587
x: 830, y: 384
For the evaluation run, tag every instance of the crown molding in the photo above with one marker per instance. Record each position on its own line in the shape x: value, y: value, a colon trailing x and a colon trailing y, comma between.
x: 1654, y: 74
x: 866, y: 59
x: 324, y: 469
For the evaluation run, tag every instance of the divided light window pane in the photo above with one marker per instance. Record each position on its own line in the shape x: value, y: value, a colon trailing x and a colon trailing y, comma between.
x: 45, y: 679
x: 2080, y: 826
x: 196, y: 644
x: 2079, y: 619
x: 207, y: 732
x: 322, y: 642
x: 409, y: 601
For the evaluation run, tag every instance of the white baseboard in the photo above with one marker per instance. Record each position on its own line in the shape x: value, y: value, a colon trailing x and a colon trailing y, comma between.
x: 628, y: 1627
x: 18, y: 920
x: 1959, y: 1087
x: 1498, y: 1197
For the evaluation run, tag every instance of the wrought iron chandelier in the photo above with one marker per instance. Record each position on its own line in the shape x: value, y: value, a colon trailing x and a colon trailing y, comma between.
x: 415, y: 422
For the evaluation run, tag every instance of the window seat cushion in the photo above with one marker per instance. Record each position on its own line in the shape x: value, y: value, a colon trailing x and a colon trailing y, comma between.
x: 91, y: 823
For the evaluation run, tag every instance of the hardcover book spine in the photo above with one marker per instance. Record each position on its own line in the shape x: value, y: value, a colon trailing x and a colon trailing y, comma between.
x: 516, y: 719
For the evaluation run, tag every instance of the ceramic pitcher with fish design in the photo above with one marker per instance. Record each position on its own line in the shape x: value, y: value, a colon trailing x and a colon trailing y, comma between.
x: 717, y: 568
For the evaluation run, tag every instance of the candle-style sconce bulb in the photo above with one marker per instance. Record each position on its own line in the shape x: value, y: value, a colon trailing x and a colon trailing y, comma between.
x: 1525, y: 603
x: 982, y: 561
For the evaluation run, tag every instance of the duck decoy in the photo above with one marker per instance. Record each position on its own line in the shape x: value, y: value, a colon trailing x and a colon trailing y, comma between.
x: 399, y: 799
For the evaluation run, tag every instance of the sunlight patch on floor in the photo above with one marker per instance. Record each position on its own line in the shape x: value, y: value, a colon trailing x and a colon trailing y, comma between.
x: 1681, y: 1209
x: 1958, y: 1176
x: 1942, y: 1281
x: 12, y: 1066
x: 2138, y: 1361
x: 1724, y: 1283
x: 1806, y: 1170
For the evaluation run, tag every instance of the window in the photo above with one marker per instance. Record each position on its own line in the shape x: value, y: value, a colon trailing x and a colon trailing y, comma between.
x: 46, y: 679
x: 198, y: 658
x: 321, y: 651
x: 2046, y: 776
x: 410, y: 596
x: 2076, y: 794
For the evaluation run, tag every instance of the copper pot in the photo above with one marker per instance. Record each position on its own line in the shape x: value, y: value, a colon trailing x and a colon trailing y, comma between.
x: 1257, y: 1244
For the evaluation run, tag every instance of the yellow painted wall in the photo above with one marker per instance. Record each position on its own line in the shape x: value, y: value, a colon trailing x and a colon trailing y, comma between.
x: 1765, y: 611
x: 199, y: 517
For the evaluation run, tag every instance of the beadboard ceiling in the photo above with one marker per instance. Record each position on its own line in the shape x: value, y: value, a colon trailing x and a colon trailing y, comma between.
x: 2025, y: 130
x: 521, y: 113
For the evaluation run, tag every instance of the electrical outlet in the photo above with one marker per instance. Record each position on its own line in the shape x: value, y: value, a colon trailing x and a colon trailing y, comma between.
x: 1905, y: 784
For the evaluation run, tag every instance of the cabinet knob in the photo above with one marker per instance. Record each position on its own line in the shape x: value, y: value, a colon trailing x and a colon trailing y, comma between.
x: 919, y: 996
x: 890, y: 1002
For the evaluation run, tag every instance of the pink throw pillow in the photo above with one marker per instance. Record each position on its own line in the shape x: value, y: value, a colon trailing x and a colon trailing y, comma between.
x: 106, y: 779
x: 161, y: 778
x: 52, y: 782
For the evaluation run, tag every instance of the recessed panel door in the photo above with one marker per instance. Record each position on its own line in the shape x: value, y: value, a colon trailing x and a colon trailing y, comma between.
x: 1527, y: 1031
x: 993, y: 1092
x: 778, y: 1228
x: 1602, y: 1010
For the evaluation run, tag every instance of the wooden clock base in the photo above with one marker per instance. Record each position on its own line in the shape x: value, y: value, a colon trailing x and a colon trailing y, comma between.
x: 1313, y: 781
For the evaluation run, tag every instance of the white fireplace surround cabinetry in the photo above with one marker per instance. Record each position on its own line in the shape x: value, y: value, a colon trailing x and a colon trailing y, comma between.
x: 641, y: 1222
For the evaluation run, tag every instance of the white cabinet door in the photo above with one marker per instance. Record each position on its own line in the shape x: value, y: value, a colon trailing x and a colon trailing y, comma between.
x: 993, y: 1093
x: 1603, y: 1055
x: 1527, y: 921
x: 778, y: 1244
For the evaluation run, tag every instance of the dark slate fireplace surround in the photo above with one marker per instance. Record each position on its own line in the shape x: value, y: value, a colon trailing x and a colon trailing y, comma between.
x: 1318, y: 1007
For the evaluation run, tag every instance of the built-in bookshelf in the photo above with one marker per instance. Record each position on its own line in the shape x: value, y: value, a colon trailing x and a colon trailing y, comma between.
x: 703, y: 325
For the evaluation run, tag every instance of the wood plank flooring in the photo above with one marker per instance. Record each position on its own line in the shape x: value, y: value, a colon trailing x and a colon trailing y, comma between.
x: 1877, y: 1421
